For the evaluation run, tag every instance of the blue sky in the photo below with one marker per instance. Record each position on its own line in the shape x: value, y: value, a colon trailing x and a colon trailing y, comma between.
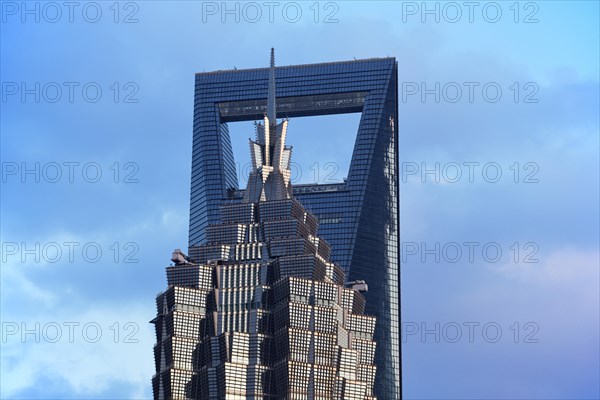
x: 75, y: 321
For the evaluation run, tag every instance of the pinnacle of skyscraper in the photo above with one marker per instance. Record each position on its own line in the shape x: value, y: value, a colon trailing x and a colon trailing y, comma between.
x: 270, y: 176
x: 271, y: 103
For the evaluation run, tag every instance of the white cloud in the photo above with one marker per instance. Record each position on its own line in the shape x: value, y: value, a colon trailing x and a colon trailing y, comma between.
x: 122, y: 354
x: 121, y: 359
x: 567, y: 266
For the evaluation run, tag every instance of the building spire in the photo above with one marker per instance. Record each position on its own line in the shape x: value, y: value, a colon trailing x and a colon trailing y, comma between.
x: 270, y: 176
x: 271, y: 103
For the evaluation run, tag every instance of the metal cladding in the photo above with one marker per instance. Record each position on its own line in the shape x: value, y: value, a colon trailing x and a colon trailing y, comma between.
x: 259, y: 311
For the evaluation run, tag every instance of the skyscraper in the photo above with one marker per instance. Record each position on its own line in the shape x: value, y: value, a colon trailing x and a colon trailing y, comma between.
x: 359, y: 217
x: 258, y: 310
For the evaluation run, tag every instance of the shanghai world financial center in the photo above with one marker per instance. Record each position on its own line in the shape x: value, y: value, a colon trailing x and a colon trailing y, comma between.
x: 287, y: 291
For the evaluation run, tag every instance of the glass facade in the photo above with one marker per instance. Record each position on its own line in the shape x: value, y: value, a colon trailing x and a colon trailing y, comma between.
x: 358, y: 226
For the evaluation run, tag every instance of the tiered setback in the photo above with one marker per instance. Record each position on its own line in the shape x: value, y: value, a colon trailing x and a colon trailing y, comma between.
x: 260, y: 312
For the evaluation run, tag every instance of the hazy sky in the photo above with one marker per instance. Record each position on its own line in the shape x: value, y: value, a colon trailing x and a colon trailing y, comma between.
x: 499, y: 148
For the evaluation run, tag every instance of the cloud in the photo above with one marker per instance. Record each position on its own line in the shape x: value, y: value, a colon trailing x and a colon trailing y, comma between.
x: 77, y: 301
x: 86, y: 351
x: 547, y: 311
x: 570, y: 267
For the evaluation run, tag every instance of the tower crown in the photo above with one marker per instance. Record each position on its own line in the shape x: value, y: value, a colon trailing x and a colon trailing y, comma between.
x: 270, y: 176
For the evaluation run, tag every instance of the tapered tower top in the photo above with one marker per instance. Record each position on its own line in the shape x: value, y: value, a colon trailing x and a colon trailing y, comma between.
x: 270, y: 176
x: 271, y: 102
